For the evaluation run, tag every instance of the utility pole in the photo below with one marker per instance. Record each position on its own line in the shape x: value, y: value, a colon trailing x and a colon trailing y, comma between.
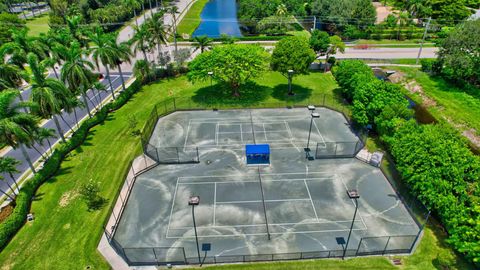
x: 423, y: 40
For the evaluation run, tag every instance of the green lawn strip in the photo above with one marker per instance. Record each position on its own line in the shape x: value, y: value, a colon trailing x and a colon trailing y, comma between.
x: 38, y: 25
x: 458, y: 105
x: 65, y: 235
x: 192, y: 19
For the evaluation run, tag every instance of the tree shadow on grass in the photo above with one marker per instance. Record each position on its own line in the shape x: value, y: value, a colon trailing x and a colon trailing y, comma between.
x: 280, y: 92
x: 221, y: 94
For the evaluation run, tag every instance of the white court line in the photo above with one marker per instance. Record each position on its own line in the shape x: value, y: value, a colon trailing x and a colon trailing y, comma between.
x: 216, y: 134
x: 244, y: 119
x: 309, y: 195
x: 273, y: 224
x: 264, y: 132
x: 259, y: 201
x: 235, y: 132
x: 275, y: 180
x: 287, y: 126
x: 214, y: 203
x: 241, y: 133
x: 321, y: 136
x: 346, y: 188
x: 253, y: 175
x: 171, y: 210
x: 186, y: 136
x: 256, y: 234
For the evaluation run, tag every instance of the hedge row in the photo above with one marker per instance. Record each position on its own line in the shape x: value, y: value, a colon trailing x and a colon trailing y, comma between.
x: 433, y: 160
x: 23, y: 201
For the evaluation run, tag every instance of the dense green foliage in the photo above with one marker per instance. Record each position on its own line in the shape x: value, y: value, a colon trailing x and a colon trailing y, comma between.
x: 434, y: 162
x: 334, y: 15
x: 459, y: 55
x: 9, y: 23
x: 445, y: 12
x: 292, y: 53
x: 233, y: 65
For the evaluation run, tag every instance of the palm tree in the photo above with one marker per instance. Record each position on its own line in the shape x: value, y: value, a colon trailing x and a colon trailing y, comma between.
x: 156, y: 27
x: 75, y: 29
x: 51, y: 95
x: 17, y: 129
x: 141, y: 40
x: 202, y: 43
x: 5, y: 193
x: 10, y: 75
x: 134, y: 5
x: 104, y: 52
x: 123, y: 54
x: 173, y: 10
x: 44, y: 135
x: 9, y: 165
x: 76, y: 71
x: 20, y: 46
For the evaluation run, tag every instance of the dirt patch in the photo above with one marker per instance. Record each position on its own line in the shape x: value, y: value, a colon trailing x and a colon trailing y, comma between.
x: 471, y: 135
x: 67, y: 197
x: 382, y: 11
x: 413, y: 87
x: 6, y: 211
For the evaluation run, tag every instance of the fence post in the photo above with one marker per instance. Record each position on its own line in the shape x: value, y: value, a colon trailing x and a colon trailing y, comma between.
x: 156, y: 110
x: 155, y: 255
x: 145, y: 159
x: 198, y: 156
x: 178, y: 155
x: 386, y: 245
x: 358, y: 248
x: 184, y: 256
x: 335, y: 153
x: 174, y: 104
x: 158, y: 157
x: 323, y: 103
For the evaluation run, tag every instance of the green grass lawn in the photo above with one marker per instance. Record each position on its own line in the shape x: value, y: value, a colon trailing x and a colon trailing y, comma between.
x: 38, y: 25
x: 191, y: 20
x: 460, y: 106
x: 65, y: 235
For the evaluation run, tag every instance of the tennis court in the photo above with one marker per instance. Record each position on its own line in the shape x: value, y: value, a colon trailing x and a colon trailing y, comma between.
x: 246, y: 213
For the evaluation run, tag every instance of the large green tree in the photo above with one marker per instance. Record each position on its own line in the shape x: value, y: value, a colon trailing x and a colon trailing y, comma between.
x: 319, y: 41
x: 51, y: 95
x: 8, y: 165
x: 9, y: 23
x: 334, y: 15
x: 459, y: 54
x: 103, y: 51
x: 292, y: 54
x: 233, y: 65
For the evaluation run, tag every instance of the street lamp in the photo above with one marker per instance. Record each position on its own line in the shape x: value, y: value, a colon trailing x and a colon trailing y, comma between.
x: 311, y: 108
x: 193, y: 201
x: 307, y: 149
x: 290, y: 75
x: 210, y: 73
x: 352, y: 194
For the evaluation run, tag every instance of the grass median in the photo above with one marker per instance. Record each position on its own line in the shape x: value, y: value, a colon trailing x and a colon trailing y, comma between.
x: 192, y: 19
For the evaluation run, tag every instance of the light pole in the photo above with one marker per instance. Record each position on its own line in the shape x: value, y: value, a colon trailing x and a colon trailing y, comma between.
x: 290, y: 74
x: 210, y: 73
x: 307, y: 149
x: 193, y: 201
x: 352, y: 194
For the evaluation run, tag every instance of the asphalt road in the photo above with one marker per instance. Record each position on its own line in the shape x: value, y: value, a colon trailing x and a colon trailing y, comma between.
x: 68, y: 122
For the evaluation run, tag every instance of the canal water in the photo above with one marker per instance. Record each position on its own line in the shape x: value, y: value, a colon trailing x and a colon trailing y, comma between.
x: 219, y: 17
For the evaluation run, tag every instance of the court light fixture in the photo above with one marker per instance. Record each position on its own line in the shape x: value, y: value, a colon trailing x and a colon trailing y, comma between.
x: 210, y: 73
x: 290, y: 75
x: 194, y: 201
x: 307, y: 149
x: 352, y: 194
x: 311, y: 108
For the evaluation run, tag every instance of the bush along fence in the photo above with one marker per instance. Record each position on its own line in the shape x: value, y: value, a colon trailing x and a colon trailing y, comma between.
x: 18, y: 217
x: 433, y: 161
x: 191, y: 154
